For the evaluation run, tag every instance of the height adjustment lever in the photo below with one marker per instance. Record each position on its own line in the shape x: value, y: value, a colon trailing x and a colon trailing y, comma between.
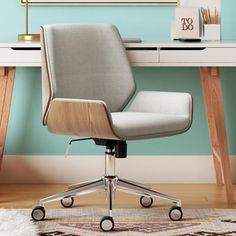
x: 72, y: 141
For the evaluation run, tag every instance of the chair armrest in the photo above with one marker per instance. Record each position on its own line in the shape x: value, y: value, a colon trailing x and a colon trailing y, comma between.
x: 163, y: 102
x: 87, y: 118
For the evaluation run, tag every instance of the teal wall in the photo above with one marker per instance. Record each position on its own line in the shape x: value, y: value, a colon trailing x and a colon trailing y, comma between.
x: 26, y: 134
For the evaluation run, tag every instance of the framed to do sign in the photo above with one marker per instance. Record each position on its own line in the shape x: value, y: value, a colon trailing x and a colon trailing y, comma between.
x: 187, y: 22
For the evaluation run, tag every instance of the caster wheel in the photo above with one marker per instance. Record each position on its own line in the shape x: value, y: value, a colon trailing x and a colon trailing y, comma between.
x: 67, y: 202
x: 146, y: 201
x: 38, y: 213
x: 107, y: 224
x: 175, y: 213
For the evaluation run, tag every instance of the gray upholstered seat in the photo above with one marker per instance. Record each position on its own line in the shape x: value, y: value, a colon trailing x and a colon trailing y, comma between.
x: 144, y: 125
x: 87, y: 84
x: 154, y: 114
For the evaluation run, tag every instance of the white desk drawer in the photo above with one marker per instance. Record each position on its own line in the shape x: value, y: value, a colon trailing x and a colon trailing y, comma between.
x: 188, y: 55
x: 143, y: 55
x: 21, y: 55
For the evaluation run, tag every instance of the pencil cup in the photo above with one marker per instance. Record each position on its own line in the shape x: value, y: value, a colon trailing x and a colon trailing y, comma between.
x: 212, y: 32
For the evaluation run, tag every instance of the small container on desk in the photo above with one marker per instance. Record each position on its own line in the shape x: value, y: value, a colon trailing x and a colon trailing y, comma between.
x: 212, y: 28
x: 212, y: 32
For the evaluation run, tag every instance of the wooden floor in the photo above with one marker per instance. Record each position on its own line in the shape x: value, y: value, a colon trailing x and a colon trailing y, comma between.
x: 192, y: 196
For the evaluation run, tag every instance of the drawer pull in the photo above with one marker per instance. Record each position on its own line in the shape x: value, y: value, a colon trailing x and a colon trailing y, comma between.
x: 141, y: 49
x: 25, y: 48
x: 183, y: 49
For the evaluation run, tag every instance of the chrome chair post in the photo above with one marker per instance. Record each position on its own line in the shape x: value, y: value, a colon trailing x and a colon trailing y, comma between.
x: 110, y: 162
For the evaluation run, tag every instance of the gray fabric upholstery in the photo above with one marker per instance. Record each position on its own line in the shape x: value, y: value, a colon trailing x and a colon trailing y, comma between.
x: 163, y: 102
x: 154, y: 114
x: 88, y: 61
x: 143, y: 125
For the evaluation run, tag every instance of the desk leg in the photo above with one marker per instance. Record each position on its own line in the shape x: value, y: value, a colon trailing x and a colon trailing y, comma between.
x: 7, y: 75
x: 211, y: 85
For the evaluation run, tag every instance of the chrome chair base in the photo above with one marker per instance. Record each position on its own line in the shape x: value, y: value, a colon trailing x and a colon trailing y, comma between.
x: 110, y: 183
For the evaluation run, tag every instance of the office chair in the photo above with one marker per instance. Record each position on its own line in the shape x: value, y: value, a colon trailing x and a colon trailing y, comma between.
x: 87, y: 83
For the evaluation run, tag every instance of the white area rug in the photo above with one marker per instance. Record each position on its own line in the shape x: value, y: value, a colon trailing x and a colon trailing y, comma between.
x: 79, y: 221
x: 14, y: 223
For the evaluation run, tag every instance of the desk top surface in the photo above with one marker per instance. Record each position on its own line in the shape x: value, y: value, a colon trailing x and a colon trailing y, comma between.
x: 222, y: 44
x: 144, y: 54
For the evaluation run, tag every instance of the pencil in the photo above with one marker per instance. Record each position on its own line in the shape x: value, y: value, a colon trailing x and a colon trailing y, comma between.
x: 205, y: 19
x: 208, y: 15
x: 215, y: 16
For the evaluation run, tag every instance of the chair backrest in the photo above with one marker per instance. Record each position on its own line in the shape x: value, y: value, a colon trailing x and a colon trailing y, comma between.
x: 85, y: 61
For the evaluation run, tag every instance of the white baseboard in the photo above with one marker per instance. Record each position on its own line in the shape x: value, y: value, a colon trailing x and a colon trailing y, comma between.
x: 149, y: 169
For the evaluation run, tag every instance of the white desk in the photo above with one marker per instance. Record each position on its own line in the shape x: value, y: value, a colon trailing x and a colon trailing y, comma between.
x: 208, y: 56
